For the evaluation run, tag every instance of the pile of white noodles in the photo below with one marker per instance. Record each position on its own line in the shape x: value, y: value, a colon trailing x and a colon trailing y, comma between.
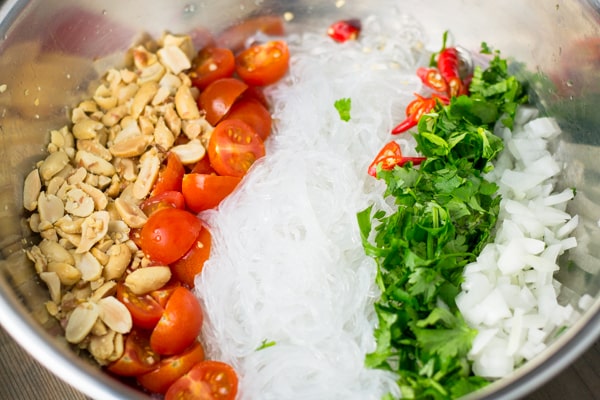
x: 287, y: 265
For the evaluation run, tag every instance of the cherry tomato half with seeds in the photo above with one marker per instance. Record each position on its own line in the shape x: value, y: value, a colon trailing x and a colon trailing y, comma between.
x: 179, y: 325
x: 171, y: 368
x: 263, y: 64
x: 219, y: 96
x: 204, y: 191
x: 191, y: 264
x: 138, y: 356
x: 168, y: 234
x: 216, y: 378
x: 145, y: 311
x: 210, y: 64
x: 254, y: 113
x: 233, y: 147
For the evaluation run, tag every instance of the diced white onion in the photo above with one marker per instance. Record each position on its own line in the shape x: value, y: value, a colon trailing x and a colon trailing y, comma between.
x: 533, y: 231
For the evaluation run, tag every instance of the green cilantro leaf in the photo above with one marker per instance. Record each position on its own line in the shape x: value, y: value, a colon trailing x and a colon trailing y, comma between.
x: 343, y: 107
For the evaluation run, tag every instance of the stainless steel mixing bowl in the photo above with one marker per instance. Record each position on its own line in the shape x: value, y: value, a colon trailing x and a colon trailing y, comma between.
x: 50, y: 51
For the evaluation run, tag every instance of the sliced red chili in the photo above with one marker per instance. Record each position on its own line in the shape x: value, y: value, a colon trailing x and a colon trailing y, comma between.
x: 448, y: 65
x: 417, y: 108
x: 390, y: 156
x: 432, y: 78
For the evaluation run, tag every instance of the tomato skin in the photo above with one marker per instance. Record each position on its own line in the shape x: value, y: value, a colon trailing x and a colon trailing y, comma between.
x: 233, y: 147
x: 203, y: 167
x: 253, y: 113
x: 211, y: 63
x: 145, y: 311
x: 170, y: 199
x: 235, y: 36
x: 171, y: 368
x: 263, y: 64
x: 138, y: 356
x: 179, y: 325
x: 204, y: 191
x: 218, y: 378
x: 169, y: 178
x: 219, y: 96
x: 168, y: 234
x: 191, y: 264
x: 162, y: 295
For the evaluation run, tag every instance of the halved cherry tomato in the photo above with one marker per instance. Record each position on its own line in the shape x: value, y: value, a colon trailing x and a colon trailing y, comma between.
x: 203, y: 191
x: 169, y: 234
x: 219, y: 96
x: 344, y: 30
x: 236, y: 36
x: 187, y: 267
x: 233, y: 147
x: 210, y: 64
x: 170, y: 199
x: 145, y: 311
x: 138, y: 357
x: 252, y: 112
x: 172, y: 368
x: 162, y: 295
x: 263, y: 64
x: 203, y: 167
x: 169, y: 178
x: 179, y: 325
x: 218, y: 378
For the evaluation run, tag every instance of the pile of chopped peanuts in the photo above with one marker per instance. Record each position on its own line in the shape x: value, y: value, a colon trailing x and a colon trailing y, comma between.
x: 85, y: 196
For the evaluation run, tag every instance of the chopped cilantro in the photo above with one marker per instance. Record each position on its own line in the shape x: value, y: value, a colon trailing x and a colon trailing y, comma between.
x: 445, y: 213
x: 343, y: 107
x: 265, y: 343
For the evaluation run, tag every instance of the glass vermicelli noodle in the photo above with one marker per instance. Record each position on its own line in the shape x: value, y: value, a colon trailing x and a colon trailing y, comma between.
x: 287, y: 265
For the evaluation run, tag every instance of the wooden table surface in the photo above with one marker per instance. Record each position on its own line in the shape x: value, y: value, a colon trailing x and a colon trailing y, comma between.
x: 23, y: 378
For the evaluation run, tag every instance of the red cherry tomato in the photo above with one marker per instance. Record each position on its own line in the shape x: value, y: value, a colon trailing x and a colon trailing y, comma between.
x: 187, y: 267
x: 138, y: 357
x: 210, y: 64
x: 219, y: 96
x: 263, y: 64
x: 203, y: 191
x: 145, y: 311
x: 203, y: 167
x: 211, y: 380
x: 253, y: 113
x: 344, y: 30
x: 169, y: 234
x: 233, y: 147
x: 162, y: 295
x: 171, y: 368
x: 236, y: 36
x: 169, y: 178
x: 179, y: 325
x: 170, y: 199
